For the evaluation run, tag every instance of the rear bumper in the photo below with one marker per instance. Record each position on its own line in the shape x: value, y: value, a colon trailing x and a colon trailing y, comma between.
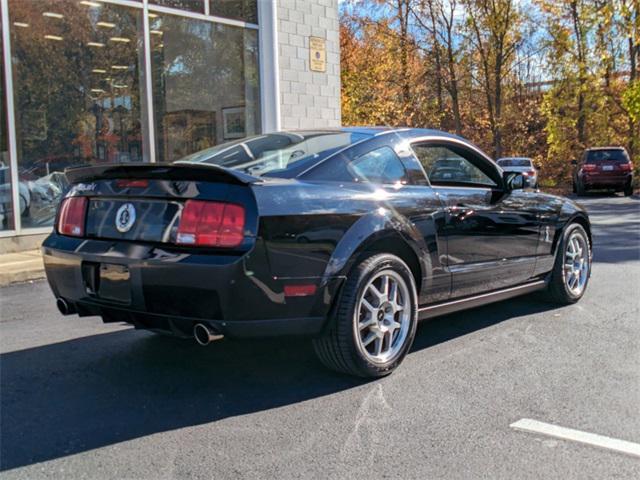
x: 606, y: 181
x: 173, y: 289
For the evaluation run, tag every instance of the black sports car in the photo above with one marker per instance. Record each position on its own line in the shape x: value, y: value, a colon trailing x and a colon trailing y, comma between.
x: 339, y: 235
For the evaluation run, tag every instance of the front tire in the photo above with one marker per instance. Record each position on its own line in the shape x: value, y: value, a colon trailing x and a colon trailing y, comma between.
x: 375, y: 319
x: 572, y: 268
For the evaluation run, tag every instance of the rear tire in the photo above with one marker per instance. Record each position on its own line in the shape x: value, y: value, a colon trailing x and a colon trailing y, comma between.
x: 373, y: 328
x: 628, y: 190
x: 572, y: 267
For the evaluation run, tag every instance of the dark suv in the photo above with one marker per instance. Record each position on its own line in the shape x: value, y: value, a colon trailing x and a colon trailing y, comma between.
x: 606, y: 168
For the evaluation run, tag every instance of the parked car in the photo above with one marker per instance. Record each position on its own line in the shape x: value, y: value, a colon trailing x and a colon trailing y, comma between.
x: 603, y: 168
x: 522, y: 165
x: 24, y: 196
x: 197, y: 249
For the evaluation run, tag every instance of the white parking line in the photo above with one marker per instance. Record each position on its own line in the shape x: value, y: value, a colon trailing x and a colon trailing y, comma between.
x: 608, y: 443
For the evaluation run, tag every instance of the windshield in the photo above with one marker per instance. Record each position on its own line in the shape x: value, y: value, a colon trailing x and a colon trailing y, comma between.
x: 514, y: 162
x: 614, y: 155
x: 275, y: 154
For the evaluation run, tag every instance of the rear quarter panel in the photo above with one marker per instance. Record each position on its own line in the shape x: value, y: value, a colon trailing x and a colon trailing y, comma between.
x: 318, y: 230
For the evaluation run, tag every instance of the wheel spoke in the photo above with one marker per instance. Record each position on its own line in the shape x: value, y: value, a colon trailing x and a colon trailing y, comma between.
x: 385, y: 286
x: 376, y: 293
x: 370, y: 308
x: 393, y: 293
x: 390, y: 341
x: 377, y: 347
x: 367, y: 323
x: 370, y: 338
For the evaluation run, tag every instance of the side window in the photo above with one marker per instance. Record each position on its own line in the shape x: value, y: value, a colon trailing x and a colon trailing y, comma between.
x: 444, y: 166
x: 381, y: 165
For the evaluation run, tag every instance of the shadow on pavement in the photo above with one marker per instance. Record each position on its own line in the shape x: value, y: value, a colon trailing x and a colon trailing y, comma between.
x: 86, y: 393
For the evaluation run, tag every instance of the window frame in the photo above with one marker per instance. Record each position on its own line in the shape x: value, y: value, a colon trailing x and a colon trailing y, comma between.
x: 474, y: 156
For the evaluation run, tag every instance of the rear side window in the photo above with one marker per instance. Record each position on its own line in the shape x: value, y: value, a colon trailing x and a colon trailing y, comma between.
x: 380, y: 165
x: 616, y: 155
x: 514, y: 162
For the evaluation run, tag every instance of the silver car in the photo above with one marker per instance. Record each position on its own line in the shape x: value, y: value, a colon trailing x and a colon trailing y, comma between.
x: 522, y: 165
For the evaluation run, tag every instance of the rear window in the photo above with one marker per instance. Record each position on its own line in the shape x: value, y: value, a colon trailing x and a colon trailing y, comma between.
x: 275, y: 154
x: 514, y: 162
x: 613, y: 156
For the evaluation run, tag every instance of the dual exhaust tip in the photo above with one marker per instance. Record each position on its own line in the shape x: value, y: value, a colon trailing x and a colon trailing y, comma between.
x: 204, y: 334
x: 64, y: 307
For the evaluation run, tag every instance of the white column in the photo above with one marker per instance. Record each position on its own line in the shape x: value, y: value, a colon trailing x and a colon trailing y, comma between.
x: 269, y: 70
x: 11, y: 117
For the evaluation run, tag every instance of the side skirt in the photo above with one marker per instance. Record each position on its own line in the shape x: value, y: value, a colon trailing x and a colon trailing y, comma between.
x: 444, y: 308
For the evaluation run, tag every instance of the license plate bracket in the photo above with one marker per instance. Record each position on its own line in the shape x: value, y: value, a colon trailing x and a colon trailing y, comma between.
x: 114, y: 283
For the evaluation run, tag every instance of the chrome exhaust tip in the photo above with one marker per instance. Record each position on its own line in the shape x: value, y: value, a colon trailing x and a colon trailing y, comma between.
x: 64, y: 307
x: 204, y: 334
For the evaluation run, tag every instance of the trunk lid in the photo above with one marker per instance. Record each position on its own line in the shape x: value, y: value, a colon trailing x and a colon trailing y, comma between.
x: 145, y: 202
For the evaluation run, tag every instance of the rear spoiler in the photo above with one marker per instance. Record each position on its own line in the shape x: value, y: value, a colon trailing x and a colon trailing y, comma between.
x: 161, y: 171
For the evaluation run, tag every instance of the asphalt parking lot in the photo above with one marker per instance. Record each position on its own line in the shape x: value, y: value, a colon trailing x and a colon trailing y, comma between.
x: 80, y: 399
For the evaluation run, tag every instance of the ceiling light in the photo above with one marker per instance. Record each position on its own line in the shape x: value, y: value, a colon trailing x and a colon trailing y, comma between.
x: 97, y: 90
x: 120, y: 67
x: 118, y: 86
x: 21, y: 24
x: 99, y: 70
x: 120, y: 39
x: 52, y: 15
x: 95, y: 44
x: 106, y: 24
x: 156, y: 32
x: 90, y: 4
x: 53, y: 37
x: 153, y: 15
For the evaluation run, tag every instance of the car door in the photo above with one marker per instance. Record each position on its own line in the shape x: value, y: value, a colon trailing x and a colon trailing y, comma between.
x: 491, y: 234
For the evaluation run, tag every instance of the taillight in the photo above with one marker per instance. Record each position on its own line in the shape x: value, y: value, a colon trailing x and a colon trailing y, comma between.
x: 626, y: 167
x: 72, y: 215
x: 211, y: 224
x: 529, y: 173
x: 588, y: 167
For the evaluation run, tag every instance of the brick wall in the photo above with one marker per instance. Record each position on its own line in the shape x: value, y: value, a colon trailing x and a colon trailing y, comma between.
x: 308, y: 99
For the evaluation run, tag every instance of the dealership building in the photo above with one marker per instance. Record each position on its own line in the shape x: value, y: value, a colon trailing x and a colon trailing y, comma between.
x: 86, y: 82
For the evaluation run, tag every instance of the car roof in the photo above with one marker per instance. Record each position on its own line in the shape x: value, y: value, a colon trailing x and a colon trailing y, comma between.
x: 594, y: 149
x: 514, y: 158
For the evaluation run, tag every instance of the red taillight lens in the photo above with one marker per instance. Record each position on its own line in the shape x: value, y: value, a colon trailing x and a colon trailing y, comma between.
x: 626, y: 167
x: 588, y: 167
x: 72, y: 215
x: 211, y: 224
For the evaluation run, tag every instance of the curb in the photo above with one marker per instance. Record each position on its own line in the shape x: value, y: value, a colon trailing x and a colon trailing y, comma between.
x: 21, y: 267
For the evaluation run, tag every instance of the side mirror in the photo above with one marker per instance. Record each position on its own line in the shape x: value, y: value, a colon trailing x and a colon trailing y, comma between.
x: 514, y: 181
x: 574, y: 162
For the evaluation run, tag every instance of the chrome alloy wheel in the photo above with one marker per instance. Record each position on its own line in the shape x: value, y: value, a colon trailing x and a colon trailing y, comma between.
x: 383, y: 317
x: 576, y: 264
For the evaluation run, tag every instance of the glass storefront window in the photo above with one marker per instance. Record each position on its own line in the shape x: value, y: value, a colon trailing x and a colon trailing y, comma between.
x: 205, y: 84
x: 6, y: 197
x: 78, y: 89
x: 190, y: 5
x: 246, y: 10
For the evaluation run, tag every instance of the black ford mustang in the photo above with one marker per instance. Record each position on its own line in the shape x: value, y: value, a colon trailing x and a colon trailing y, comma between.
x: 349, y: 236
